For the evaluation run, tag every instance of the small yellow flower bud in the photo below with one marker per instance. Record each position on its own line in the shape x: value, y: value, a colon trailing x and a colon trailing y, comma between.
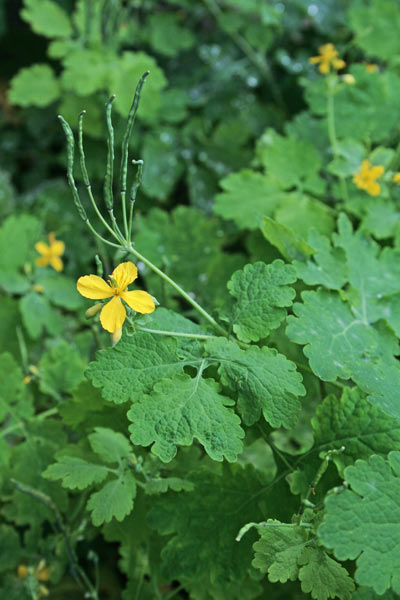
x: 93, y: 310
x: 42, y: 573
x: 349, y: 79
x: 27, y: 379
x: 371, y: 68
x: 38, y: 288
x: 22, y: 571
x: 34, y: 369
x: 116, y: 336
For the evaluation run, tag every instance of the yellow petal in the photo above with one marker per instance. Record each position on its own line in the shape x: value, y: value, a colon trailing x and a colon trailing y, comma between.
x: 56, y: 263
x: 124, y: 274
x: 93, y: 287
x: 314, y: 59
x: 377, y: 172
x: 324, y: 68
x: 42, y: 248
x: 42, y: 261
x: 396, y: 178
x: 374, y: 188
x: 113, y: 315
x: 140, y: 301
x: 58, y: 248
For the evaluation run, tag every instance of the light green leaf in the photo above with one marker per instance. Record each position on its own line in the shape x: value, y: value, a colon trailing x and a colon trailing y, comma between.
x: 181, y: 409
x: 34, y: 86
x: 114, y: 500
x: 124, y: 78
x: 110, y: 445
x: 323, y: 577
x: 13, y: 256
x: 166, y: 36
x: 289, y: 244
x: 86, y: 71
x: 61, y: 370
x: 37, y: 315
x: 287, y: 160
x: 301, y: 213
x: 375, y: 24
x: 354, y: 424
x: 363, y: 523
x: 262, y: 295
x: 61, y: 291
x: 278, y: 550
x: 75, y: 472
x: 264, y: 380
x: 46, y: 18
x: 335, y: 339
x: 246, y: 197
x: 328, y: 266
x: 134, y: 366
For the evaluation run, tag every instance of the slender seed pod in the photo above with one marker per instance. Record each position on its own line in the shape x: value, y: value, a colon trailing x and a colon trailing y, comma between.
x: 138, y: 180
x: 81, y: 152
x: 128, y: 132
x: 108, y: 179
x: 70, y: 167
x: 99, y: 265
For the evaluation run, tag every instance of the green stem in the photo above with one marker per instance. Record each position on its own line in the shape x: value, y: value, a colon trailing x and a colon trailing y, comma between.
x: 331, y: 83
x: 132, y: 197
x: 99, y: 237
x: 194, y: 336
x: 180, y: 291
x: 40, y: 417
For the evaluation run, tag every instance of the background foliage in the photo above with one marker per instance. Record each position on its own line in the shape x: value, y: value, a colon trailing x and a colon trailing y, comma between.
x: 261, y: 463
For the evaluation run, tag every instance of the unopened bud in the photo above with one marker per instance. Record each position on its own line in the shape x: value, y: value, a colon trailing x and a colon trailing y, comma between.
x: 349, y: 79
x: 116, y: 336
x: 93, y: 310
x: 38, y: 288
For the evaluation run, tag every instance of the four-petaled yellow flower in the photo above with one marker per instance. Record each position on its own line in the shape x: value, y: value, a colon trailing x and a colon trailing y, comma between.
x: 327, y: 58
x: 396, y: 178
x: 50, y: 254
x: 113, y: 313
x: 365, y: 179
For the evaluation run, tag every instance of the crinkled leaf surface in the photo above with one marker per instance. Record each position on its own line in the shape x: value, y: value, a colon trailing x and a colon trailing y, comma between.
x: 110, y: 445
x: 265, y: 381
x: 354, y: 423
x: 363, y: 523
x: 180, y: 409
x: 134, y: 365
x: 262, y: 295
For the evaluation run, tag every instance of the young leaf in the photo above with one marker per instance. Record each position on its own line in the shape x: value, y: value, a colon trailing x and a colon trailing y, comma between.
x: 113, y: 500
x: 34, y: 86
x: 61, y: 370
x: 278, y: 550
x: 362, y: 523
x: 180, y: 409
x: 262, y: 295
x: 47, y: 18
x: 265, y: 382
x: 110, y: 445
x: 323, y: 577
x: 328, y: 266
x: 75, y: 472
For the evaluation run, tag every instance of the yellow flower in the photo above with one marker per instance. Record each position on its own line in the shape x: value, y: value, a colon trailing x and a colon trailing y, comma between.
x: 327, y: 58
x: 113, y: 314
x: 396, y: 178
x: 371, y: 67
x: 50, y: 254
x: 41, y: 573
x: 365, y: 178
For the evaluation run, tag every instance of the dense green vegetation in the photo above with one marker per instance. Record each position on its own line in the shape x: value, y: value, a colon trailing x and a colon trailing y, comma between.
x: 229, y: 426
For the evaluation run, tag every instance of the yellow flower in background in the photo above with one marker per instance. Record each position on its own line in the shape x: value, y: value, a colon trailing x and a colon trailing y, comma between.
x: 113, y: 313
x: 371, y: 67
x: 327, y: 58
x: 349, y: 79
x: 41, y: 573
x: 396, y: 178
x: 50, y: 254
x: 365, y: 179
